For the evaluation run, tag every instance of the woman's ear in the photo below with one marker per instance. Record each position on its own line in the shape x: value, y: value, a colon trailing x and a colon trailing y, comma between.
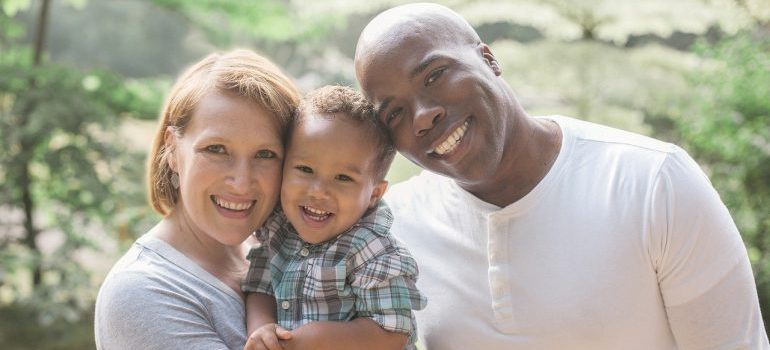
x: 377, y: 192
x: 169, y: 141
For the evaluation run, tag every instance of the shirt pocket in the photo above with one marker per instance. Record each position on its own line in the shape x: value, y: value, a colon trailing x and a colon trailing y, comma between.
x: 326, y: 282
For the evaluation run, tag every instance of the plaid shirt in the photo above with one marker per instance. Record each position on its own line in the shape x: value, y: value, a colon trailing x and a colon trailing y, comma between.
x: 363, y: 272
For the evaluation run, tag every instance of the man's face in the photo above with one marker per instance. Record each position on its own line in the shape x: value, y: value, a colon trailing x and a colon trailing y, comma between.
x: 443, y: 103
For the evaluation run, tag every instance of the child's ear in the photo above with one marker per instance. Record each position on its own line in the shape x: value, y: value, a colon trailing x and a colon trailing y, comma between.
x: 377, y: 192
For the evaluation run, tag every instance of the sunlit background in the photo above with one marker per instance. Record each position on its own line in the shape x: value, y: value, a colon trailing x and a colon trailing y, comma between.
x: 81, y: 83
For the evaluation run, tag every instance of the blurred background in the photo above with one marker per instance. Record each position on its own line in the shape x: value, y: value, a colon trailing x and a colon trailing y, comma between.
x: 82, y: 81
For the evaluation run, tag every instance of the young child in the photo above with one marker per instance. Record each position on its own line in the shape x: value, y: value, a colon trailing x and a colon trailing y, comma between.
x: 328, y: 254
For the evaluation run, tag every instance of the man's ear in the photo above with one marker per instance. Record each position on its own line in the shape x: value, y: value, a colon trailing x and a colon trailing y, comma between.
x: 377, y: 192
x: 489, y: 59
x: 169, y: 141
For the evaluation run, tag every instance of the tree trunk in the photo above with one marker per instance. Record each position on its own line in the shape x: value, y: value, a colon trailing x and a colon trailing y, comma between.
x: 42, y: 25
x: 27, y: 151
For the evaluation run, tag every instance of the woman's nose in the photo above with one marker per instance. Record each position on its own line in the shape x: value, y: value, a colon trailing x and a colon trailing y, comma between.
x: 241, y: 176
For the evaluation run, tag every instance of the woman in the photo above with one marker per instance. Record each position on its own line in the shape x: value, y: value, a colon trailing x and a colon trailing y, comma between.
x: 214, y: 174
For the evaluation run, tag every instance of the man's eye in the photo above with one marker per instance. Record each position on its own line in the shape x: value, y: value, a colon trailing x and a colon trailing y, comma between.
x: 304, y: 169
x: 433, y: 76
x: 266, y: 153
x: 215, y: 149
x: 343, y: 177
x: 392, y: 115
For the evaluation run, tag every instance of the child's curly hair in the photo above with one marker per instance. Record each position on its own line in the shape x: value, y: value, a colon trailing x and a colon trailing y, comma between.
x: 343, y: 100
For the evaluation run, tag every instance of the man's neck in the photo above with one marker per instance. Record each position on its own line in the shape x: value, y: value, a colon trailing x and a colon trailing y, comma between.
x: 520, y: 172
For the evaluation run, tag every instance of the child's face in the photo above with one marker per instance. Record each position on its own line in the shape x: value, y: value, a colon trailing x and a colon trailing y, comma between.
x: 328, y: 177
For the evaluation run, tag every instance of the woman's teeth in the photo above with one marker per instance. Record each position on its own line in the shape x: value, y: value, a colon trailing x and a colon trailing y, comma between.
x: 452, y: 141
x: 232, y: 205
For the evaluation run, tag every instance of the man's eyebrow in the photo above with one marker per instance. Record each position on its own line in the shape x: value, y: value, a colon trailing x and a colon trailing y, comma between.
x: 416, y: 71
x: 424, y: 64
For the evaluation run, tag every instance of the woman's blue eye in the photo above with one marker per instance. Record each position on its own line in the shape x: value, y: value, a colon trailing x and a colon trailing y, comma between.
x: 215, y: 149
x: 265, y: 153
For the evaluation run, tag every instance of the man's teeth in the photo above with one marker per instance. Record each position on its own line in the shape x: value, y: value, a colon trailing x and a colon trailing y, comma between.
x: 232, y: 205
x: 452, y: 141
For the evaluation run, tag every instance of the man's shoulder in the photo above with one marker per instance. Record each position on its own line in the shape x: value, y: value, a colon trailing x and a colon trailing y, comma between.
x: 600, y: 134
x: 422, y: 185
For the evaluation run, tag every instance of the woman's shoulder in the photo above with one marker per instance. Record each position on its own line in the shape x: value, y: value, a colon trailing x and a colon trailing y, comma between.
x: 139, y: 273
x: 146, y: 297
x: 146, y: 282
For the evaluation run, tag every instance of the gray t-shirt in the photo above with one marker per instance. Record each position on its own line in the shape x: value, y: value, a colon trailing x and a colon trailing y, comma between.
x: 156, y: 298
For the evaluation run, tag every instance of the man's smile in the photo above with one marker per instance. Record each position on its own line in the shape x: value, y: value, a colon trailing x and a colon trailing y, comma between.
x: 450, y: 143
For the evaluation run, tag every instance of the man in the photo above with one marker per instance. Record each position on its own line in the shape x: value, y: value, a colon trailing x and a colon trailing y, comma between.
x: 545, y: 232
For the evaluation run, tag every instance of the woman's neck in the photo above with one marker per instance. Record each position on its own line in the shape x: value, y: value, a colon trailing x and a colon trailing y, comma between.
x: 227, y: 263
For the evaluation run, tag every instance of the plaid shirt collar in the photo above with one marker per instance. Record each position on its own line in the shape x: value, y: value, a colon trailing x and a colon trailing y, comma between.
x: 377, y: 219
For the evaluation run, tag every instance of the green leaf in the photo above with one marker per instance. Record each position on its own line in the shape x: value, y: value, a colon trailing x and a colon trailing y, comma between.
x: 12, y: 7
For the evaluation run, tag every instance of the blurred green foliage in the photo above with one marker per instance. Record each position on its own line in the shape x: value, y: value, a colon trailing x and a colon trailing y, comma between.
x: 18, y: 331
x: 725, y: 124
x: 66, y: 176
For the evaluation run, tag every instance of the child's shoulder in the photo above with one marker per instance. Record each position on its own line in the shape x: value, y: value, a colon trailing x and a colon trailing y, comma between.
x: 274, y: 226
x: 371, y: 239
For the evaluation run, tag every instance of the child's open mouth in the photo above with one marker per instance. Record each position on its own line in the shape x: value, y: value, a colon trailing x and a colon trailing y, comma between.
x: 315, y: 214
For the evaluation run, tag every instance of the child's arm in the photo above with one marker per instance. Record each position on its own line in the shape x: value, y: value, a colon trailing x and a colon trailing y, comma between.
x: 360, y: 333
x: 263, y: 332
x: 260, y: 310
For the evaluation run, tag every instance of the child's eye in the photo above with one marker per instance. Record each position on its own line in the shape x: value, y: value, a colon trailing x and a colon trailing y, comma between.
x: 266, y: 153
x: 343, y: 177
x: 434, y: 75
x: 215, y: 149
x: 304, y: 169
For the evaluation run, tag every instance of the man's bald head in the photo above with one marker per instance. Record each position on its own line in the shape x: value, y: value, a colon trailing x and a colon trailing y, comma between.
x: 434, y: 21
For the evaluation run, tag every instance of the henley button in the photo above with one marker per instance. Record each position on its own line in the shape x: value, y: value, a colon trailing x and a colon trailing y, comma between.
x: 285, y: 304
x: 304, y: 252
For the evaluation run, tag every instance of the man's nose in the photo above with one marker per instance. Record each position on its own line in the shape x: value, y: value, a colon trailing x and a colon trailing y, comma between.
x: 426, y: 116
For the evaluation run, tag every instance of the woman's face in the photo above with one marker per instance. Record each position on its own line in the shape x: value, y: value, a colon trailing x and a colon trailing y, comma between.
x: 229, y: 164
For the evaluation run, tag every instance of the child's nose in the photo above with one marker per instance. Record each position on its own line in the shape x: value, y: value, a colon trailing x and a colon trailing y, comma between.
x: 318, y: 190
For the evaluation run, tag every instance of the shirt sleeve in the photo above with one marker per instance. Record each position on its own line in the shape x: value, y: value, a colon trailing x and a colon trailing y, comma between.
x: 696, y: 252
x: 719, y: 320
x: 386, y: 292
x: 258, y: 277
x: 135, y: 311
